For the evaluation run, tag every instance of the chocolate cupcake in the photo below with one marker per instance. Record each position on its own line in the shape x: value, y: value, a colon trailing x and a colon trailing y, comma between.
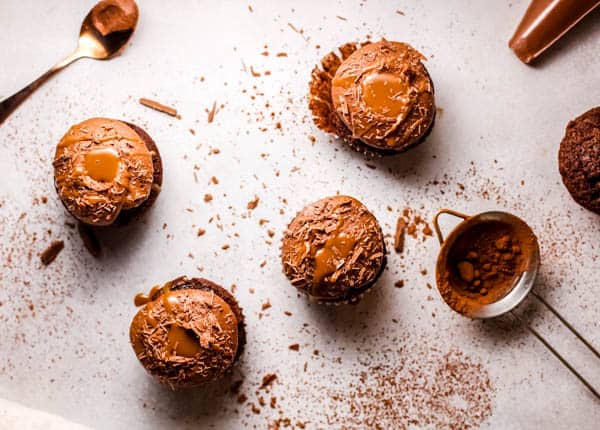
x: 333, y: 250
x: 106, y: 171
x: 579, y: 159
x: 377, y: 97
x: 188, y: 332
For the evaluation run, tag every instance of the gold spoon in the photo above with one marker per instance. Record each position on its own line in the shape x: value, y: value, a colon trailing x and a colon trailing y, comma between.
x: 104, y: 33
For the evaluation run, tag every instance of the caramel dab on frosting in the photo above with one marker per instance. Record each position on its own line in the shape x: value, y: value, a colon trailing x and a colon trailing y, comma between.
x: 101, y: 167
x: 185, y: 335
x: 377, y: 88
x: 334, y: 252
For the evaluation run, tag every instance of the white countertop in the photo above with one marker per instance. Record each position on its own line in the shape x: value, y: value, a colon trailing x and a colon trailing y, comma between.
x: 501, y: 124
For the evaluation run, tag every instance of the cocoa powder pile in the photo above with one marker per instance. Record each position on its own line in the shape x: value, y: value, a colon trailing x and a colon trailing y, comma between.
x: 490, y: 263
x: 482, y: 265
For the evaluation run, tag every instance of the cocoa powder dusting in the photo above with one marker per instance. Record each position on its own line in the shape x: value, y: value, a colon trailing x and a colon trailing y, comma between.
x: 416, y: 384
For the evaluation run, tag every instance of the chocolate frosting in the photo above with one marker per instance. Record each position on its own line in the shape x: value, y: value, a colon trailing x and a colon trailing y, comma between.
x: 333, y: 249
x: 109, y: 16
x: 384, y: 95
x: 102, y: 166
x: 187, y: 333
x: 384, y: 106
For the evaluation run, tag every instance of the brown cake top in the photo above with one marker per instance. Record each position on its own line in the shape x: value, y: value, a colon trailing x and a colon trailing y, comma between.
x: 579, y: 159
x: 109, y: 16
x: 384, y: 95
x: 186, y: 334
x: 333, y: 248
x: 102, y: 166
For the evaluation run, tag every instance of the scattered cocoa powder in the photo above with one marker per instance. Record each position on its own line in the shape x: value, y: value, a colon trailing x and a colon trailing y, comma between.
x: 426, y: 386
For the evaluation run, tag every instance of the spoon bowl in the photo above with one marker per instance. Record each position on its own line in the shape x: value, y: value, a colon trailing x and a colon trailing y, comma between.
x: 93, y: 43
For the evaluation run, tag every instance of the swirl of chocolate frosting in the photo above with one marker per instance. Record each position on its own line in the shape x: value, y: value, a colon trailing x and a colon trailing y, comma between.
x: 101, y: 167
x: 384, y: 95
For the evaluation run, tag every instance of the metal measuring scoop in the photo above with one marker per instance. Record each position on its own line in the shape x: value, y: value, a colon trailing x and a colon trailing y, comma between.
x: 104, y: 33
x: 521, y: 288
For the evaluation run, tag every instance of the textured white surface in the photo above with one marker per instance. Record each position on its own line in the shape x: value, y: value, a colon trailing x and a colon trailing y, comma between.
x: 501, y: 124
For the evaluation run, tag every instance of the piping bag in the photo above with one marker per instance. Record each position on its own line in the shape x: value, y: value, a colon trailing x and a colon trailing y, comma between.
x: 546, y: 21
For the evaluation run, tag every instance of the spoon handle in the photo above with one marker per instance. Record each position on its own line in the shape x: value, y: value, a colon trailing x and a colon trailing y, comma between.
x: 10, y: 104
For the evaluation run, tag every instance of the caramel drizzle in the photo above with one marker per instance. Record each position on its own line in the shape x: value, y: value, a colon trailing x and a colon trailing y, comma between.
x: 181, y: 341
x: 332, y: 254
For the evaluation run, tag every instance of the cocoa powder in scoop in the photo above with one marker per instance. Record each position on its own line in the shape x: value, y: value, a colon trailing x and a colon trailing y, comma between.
x: 484, y: 263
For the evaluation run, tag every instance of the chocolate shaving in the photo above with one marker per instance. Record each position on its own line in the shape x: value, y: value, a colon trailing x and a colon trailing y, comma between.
x: 400, y: 235
x: 267, y: 380
x: 158, y: 106
x: 50, y: 253
x: 254, y: 72
x: 212, y: 112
